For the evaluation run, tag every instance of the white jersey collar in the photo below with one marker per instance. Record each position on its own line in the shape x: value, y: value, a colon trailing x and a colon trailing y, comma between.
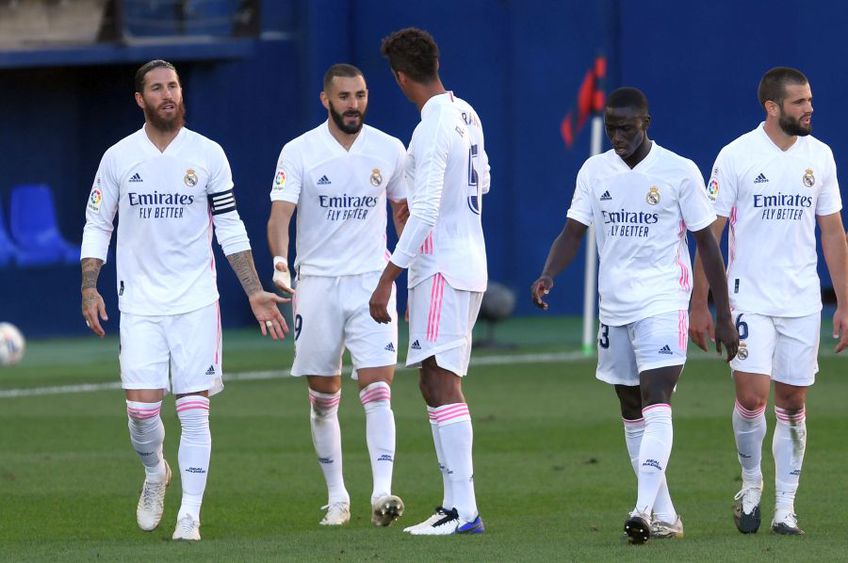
x: 437, y: 100
x: 336, y: 145
x: 171, y: 146
x: 761, y: 129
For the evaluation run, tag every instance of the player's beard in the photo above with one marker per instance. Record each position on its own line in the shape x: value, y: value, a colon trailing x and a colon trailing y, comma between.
x: 338, y: 119
x: 792, y: 126
x: 166, y: 125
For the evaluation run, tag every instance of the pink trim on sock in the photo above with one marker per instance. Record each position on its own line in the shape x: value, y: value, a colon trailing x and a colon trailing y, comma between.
x: 143, y: 414
x: 450, y: 412
x: 381, y: 393
x: 635, y: 422
x: 784, y: 416
x: 746, y: 413
x: 192, y: 405
x: 324, y: 402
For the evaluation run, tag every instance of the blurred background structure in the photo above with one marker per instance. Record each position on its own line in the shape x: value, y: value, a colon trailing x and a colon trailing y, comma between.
x: 251, y: 73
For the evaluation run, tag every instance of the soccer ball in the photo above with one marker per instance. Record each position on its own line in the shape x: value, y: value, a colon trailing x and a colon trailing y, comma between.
x: 12, y: 344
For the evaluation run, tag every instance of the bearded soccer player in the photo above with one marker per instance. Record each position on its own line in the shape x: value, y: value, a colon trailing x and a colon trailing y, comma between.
x: 642, y: 198
x: 338, y: 177
x: 773, y: 185
x: 171, y: 186
x: 442, y: 245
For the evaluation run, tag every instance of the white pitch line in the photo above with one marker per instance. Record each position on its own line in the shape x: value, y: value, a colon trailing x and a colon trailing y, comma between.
x: 279, y: 374
x: 549, y: 358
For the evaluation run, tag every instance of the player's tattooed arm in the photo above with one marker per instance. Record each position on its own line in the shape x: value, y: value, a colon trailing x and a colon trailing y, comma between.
x: 90, y: 272
x: 263, y: 304
x: 242, y: 264
x: 93, y: 307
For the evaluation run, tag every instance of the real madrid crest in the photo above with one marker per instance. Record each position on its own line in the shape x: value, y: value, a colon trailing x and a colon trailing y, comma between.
x: 190, y: 178
x: 742, y: 351
x: 653, y: 196
x: 376, y: 177
x: 808, y: 179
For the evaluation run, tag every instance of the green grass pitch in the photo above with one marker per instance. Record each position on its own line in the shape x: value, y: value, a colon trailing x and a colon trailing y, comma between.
x: 552, y: 475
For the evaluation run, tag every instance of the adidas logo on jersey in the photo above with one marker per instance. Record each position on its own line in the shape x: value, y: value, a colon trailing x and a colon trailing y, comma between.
x: 211, y: 370
x: 761, y: 179
x: 666, y: 350
x: 415, y: 345
x: 136, y: 178
x: 390, y: 347
x: 606, y: 196
x: 324, y: 181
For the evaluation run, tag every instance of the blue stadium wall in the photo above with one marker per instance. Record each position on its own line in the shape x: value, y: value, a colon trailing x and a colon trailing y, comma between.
x: 519, y: 63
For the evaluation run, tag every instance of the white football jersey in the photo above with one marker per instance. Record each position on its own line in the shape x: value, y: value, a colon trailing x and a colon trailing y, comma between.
x: 771, y: 198
x: 341, y: 198
x: 641, y: 216
x: 167, y: 204
x: 448, y: 173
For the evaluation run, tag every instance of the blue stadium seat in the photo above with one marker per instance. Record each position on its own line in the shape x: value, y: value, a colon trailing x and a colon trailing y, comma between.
x: 8, y: 252
x: 34, y: 228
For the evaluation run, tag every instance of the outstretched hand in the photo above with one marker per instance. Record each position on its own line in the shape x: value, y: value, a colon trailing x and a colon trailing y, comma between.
x: 726, y: 334
x: 265, y: 309
x: 540, y: 288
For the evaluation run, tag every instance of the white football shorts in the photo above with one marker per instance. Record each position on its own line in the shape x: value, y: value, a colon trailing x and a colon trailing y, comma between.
x: 654, y: 342
x: 441, y: 322
x: 188, y: 345
x: 784, y: 348
x: 331, y: 314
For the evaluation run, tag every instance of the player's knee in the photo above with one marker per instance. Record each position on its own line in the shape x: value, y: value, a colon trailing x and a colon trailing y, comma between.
x: 751, y: 400
x: 324, y: 405
x: 441, y: 388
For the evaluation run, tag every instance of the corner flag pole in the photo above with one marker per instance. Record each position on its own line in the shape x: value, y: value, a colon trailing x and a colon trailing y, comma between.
x: 590, y: 272
x: 590, y: 101
x: 591, y: 269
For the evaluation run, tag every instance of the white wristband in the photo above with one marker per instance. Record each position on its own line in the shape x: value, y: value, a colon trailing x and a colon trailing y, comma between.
x: 282, y: 279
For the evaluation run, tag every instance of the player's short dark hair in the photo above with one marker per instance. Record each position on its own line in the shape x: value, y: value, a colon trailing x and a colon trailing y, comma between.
x: 773, y: 83
x: 628, y: 97
x: 341, y: 69
x: 413, y: 52
x: 142, y: 71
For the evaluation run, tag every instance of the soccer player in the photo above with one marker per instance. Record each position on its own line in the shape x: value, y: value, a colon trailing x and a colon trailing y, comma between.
x: 774, y: 184
x: 642, y: 198
x: 442, y: 245
x: 338, y: 177
x: 171, y: 186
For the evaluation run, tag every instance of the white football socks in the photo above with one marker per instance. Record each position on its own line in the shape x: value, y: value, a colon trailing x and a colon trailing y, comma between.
x: 327, y: 439
x: 379, y: 435
x: 447, y: 495
x: 749, y: 429
x: 147, y: 434
x: 457, y: 436
x: 654, y: 453
x: 663, y: 506
x: 788, y: 447
x: 194, y: 453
